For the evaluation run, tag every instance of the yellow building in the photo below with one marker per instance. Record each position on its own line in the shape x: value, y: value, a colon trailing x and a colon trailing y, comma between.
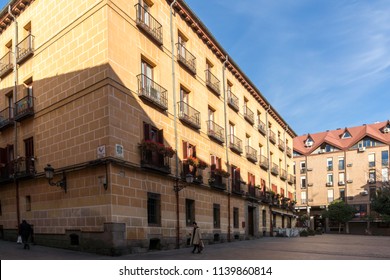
x: 348, y: 164
x: 124, y: 99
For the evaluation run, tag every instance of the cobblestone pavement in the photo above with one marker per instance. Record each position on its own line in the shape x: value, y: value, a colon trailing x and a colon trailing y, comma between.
x: 320, y: 247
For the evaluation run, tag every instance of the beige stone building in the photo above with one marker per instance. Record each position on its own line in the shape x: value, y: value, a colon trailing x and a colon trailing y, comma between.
x: 105, y: 92
x: 347, y: 163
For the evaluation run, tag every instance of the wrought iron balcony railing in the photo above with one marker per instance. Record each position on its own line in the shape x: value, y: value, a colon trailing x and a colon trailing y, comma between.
x: 24, y: 167
x: 6, y: 64
x: 275, y: 169
x: 291, y: 179
x: 189, y: 115
x: 233, y: 101
x: 249, y: 115
x: 251, y: 154
x: 281, y: 144
x: 25, y: 48
x: 236, y: 187
x: 6, y: 118
x: 283, y: 174
x: 152, y: 92
x: 288, y: 151
x: 212, y: 82
x: 155, y: 161
x: 186, y: 58
x: 264, y: 162
x: 262, y: 128
x: 215, y: 131
x: 272, y: 136
x: 149, y: 24
x: 24, y: 108
x: 235, y: 144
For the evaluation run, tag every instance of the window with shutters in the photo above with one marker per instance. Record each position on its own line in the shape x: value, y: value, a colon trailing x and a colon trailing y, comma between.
x: 189, y: 159
x: 6, y: 163
x: 236, y: 179
x: 151, y: 149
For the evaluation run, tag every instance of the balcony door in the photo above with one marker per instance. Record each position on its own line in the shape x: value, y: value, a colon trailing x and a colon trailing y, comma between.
x: 143, y: 12
x: 147, y: 80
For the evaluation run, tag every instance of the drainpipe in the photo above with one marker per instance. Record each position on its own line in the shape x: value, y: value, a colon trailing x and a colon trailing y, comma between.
x: 13, y: 113
x: 226, y: 146
x: 175, y: 128
x: 269, y: 167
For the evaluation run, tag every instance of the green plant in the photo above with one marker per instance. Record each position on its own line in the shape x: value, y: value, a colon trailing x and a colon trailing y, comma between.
x: 311, y: 232
x: 304, y: 233
x: 193, y: 161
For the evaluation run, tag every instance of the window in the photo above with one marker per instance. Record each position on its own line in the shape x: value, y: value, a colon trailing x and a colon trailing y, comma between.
x: 29, y: 154
x: 342, y: 195
x: 154, y: 209
x: 182, y: 45
x: 303, y: 166
x: 235, y: 217
x: 329, y: 164
x: 28, y: 203
x: 264, y: 218
x: 329, y: 179
x: 236, y: 179
x: 372, y: 176
x: 303, y: 182
x: 190, y: 212
x: 303, y: 198
x: 232, y: 130
x: 216, y: 215
x: 143, y: 12
x: 385, y: 158
x: 251, y: 179
x: 189, y: 151
x: 146, y: 77
x: 371, y: 160
x: 152, y: 157
x: 346, y: 134
x: 211, y: 114
x: 341, y: 163
x: 385, y: 174
x: 330, y: 196
x: 341, y: 178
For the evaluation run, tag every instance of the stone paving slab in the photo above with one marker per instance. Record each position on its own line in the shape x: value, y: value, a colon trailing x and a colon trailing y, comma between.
x: 320, y: 247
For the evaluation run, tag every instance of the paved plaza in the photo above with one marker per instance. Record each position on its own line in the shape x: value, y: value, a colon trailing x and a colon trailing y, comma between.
x: 320, y: 247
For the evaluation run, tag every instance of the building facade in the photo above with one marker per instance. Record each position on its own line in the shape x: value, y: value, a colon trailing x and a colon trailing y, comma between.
x: 350, y: 164
x: 122, y: 100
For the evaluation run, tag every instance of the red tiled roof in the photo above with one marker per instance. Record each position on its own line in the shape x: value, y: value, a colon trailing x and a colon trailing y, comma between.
x: 334, y: 137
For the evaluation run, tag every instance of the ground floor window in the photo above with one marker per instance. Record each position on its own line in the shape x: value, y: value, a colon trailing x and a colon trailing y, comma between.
x: 154, y: 209
x: 217, y: 215
x: 190, y: 212
x: 235, y: 217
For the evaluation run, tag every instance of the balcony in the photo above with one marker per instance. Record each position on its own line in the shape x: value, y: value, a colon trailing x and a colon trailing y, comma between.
x: 249, y: 115
x: 155, y: 161
x: 24, y: 167
x: 341, y: 183
x: 261, y: 128
x: 146, y: 22
x: 283, y: 174
x: 24, y: 108
x: 272, y: 136
x: 215, y: 131
x: 189, y: 115
x: 254, y: 192
x: 281, y: 145
x: 289, y: 152
x: 264, y: 162
x: 186, y: 59
x: 25, y: 49
x: 152, y: 92
x: 275, y: 169
x: 212, y: 82
x: 6, y: 64
x: 329, y: 184
x: 251, y: 154
x: 7, y: 171
x: 236, y: 187
x: 6, y: 118
x: 233, y: 101
x: 217, y: 182
x: 235, y: 144
x: 291, y: 179
x: 329, y: 168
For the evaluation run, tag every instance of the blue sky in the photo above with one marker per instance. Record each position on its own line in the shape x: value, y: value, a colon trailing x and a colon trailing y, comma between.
x: 322, y: 64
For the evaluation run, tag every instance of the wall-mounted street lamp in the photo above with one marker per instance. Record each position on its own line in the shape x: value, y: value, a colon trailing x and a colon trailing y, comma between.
x: 177, y: 188
x: 49, y: 174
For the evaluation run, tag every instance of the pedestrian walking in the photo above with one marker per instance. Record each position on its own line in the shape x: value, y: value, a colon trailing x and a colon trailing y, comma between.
x: 196, y: 239
x: 25, y: 231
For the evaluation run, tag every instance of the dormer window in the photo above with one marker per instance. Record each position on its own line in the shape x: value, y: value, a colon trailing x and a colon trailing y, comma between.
x: 309, y: 142
x: 386, y: 129
x: 346, y: 134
